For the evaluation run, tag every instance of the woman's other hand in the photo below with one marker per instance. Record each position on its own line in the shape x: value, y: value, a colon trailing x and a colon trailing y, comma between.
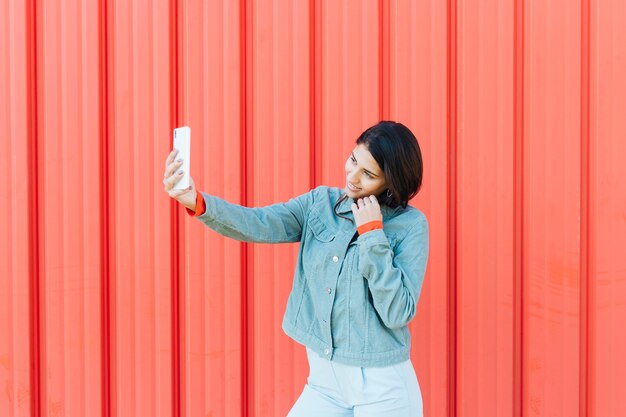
x: 186, y: 197
x: 366, y: 210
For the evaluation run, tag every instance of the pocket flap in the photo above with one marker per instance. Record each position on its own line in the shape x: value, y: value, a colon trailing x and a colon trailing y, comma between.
x: 319, y: 229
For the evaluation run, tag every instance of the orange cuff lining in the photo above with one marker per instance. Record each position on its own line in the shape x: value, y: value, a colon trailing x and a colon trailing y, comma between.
x: 200, y: 205
x: 369, y: 226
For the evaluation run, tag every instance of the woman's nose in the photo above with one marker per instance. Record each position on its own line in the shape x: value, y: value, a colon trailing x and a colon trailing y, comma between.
x: 352, y: 177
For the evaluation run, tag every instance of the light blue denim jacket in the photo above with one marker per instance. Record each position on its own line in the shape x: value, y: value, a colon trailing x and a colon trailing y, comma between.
x: 352, y: 296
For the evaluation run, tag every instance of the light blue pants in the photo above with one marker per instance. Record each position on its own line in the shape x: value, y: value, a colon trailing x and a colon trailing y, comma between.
x: 337, y: 390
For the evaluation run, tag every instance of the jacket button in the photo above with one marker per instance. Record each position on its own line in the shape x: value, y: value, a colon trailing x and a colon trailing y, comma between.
x: 326, y: 351
x: 329, y: 290
x: 335, y: 258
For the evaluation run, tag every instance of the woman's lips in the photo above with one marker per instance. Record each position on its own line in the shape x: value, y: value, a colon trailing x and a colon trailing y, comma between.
x: 352, y: 187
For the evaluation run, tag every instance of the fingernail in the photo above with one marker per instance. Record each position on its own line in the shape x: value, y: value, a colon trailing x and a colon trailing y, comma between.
x: 180, y: 173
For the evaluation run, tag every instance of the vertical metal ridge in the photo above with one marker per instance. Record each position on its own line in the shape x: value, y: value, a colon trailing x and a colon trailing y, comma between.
x: 518, y: 208
x: 452, y: 68
x: 247, y: 349
x: 34, y: 202
x: 109, y: 204
x: 319, y: 85
x: 585, y: 249
x: 383, y: 59
x: 177, y: 357
x: 313, y: 127
x: 105, y: 273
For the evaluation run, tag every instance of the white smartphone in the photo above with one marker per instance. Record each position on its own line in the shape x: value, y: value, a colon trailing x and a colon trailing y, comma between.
x: 182, y: 142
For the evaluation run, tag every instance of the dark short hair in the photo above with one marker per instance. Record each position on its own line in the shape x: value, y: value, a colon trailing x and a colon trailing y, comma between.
x: 395, y: 149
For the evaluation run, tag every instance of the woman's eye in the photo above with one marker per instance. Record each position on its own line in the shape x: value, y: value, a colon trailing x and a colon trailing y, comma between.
x: 353, y: 160
x: 368, y: 175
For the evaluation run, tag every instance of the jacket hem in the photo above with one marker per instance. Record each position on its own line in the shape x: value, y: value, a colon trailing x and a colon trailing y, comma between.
x: 340, y: 355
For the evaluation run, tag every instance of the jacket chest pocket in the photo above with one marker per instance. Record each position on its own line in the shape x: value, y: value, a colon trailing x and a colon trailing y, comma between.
x: 318, y: 246
x: 319, y: 230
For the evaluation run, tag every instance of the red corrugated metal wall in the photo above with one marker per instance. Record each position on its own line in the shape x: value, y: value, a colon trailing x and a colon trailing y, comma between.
x: 114, y: 303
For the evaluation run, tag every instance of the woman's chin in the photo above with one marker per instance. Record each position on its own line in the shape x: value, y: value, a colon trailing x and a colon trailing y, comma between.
x: 352, y: 193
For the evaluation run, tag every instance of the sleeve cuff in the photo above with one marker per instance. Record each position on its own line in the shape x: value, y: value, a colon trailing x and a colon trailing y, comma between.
x: 200, y: 206
x: 369, y: 226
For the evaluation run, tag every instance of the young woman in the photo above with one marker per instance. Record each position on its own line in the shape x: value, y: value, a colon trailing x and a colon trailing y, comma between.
x: 358, y: 277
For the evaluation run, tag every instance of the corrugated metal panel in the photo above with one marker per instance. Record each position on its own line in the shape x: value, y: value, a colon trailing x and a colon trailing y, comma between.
x: 604, y: 209
x: 66, y: 209
x: 114, y: 303
x: 485, y: 148
x: 211, y: 92
x: 551, y: 208
x: 16, y: 227
x: 142, y: 280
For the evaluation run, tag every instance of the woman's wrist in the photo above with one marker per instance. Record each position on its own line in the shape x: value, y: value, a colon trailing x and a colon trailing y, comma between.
x: 196, y: 208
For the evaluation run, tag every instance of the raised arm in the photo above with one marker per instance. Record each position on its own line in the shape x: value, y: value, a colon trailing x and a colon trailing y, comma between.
x: 276, y: 223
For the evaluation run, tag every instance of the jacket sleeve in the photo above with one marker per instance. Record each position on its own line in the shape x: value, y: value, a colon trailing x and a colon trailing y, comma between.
x: 395, y: 278
x: 276, y: 223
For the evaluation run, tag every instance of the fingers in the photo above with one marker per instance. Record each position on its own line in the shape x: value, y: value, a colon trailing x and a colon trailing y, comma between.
x: 171, y: 180
x: 366, y: 201
x: 170, y: 176
x: 170, y: 157
x: 169, y: 170
x: 169, y: 183
x: 365, y: 210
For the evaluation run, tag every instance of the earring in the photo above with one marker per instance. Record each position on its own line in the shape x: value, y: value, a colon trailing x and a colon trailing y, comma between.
x: 389, y: 193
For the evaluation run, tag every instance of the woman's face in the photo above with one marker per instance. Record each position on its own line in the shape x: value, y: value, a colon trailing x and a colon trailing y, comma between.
x: 363, y: 175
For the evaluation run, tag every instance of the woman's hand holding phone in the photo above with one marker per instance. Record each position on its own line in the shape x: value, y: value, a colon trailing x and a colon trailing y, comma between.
x: 187, y: 196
